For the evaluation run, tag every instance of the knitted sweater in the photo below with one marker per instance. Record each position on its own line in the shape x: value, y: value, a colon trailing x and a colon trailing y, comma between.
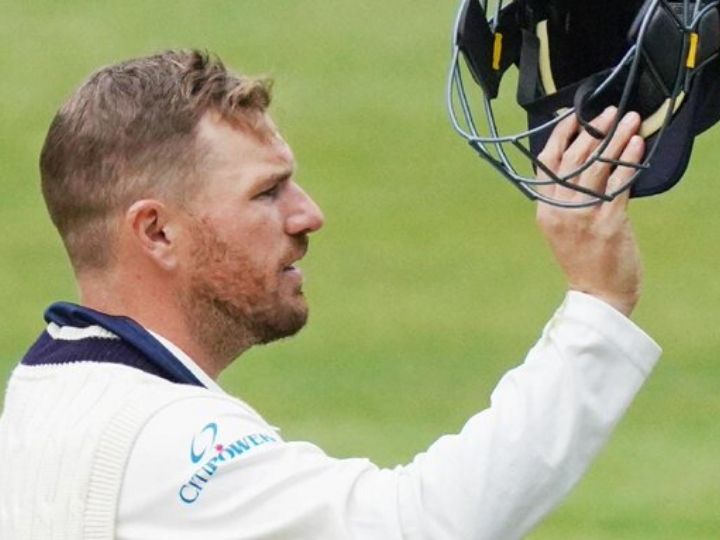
x: 102, y: 448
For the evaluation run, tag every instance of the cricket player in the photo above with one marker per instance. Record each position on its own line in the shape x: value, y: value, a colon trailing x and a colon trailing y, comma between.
x: 176, y: 198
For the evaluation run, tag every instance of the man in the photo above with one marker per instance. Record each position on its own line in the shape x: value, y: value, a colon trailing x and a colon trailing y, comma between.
x: 175, y: 197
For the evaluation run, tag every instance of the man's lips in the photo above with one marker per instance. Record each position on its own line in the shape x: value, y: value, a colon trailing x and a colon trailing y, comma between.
x: 291, y: 264
x: 294, y: 274
x: 292, y: 269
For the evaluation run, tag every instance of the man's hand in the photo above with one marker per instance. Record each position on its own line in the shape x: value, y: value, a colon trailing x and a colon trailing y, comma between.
x: 595, y: 246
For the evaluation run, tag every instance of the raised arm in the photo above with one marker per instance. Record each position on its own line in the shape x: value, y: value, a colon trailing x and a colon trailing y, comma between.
x: 514, y: 462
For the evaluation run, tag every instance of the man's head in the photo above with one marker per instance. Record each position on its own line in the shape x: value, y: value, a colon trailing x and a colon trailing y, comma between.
x: 166, y: 170
x: 129, y: 132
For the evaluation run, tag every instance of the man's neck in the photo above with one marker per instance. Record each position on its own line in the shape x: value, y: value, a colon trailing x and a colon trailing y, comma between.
x: 156, y: 310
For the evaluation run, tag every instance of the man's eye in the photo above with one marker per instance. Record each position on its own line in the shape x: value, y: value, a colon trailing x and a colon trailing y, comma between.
x: 270, y: 193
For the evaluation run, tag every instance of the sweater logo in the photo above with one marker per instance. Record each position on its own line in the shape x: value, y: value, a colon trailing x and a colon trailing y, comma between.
x: 203, y: 441
x: 213, y: 456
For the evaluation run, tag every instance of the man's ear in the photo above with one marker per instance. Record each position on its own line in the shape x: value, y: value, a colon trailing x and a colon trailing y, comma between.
x: 154, y: 231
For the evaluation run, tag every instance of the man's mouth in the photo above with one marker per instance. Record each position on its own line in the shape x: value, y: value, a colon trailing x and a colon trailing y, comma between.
x: 293, y: 270
x: 291, y: 265
x: 294, y: 275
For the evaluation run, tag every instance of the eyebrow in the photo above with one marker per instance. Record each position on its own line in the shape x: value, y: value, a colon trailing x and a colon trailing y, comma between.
x: 280, y: 176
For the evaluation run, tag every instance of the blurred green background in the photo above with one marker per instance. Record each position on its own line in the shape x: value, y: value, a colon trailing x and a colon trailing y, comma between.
x: 429, y: 279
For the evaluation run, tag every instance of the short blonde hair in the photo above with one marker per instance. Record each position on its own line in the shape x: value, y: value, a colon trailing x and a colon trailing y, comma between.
x: 130, y: 132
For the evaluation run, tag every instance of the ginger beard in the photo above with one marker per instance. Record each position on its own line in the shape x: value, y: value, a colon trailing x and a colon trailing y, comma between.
x: 233, y: 301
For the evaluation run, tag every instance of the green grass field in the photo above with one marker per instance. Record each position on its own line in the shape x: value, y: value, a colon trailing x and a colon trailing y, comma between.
x: 429, y: 279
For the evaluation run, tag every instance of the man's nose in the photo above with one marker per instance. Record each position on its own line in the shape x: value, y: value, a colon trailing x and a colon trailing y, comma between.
x: 306, y: 216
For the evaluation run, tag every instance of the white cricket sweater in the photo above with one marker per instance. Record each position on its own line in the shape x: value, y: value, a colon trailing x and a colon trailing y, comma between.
x: 96, y: 451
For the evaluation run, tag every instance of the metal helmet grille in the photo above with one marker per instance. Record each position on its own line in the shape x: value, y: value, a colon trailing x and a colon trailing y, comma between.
x: 479, y: 63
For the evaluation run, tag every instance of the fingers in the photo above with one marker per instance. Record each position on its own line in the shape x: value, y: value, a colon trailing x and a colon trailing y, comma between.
x: 557, y: 144
x: 564, y: 154
x: 583, y: 146
x: 596, y: 177
x: 632, y: 153
x: 551, y: 155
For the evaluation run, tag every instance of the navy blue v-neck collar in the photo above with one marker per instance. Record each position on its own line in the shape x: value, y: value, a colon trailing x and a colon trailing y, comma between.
x: 136, y: 347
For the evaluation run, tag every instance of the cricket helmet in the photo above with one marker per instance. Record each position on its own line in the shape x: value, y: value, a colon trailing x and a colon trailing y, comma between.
x: 576, y: 57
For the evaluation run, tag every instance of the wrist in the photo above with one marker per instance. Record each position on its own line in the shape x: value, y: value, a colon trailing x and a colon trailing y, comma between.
x: 624, y: 303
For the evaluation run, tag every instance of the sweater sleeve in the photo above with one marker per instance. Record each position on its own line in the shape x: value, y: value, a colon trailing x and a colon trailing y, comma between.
x: 208, y: 468
x: 514, y: 462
